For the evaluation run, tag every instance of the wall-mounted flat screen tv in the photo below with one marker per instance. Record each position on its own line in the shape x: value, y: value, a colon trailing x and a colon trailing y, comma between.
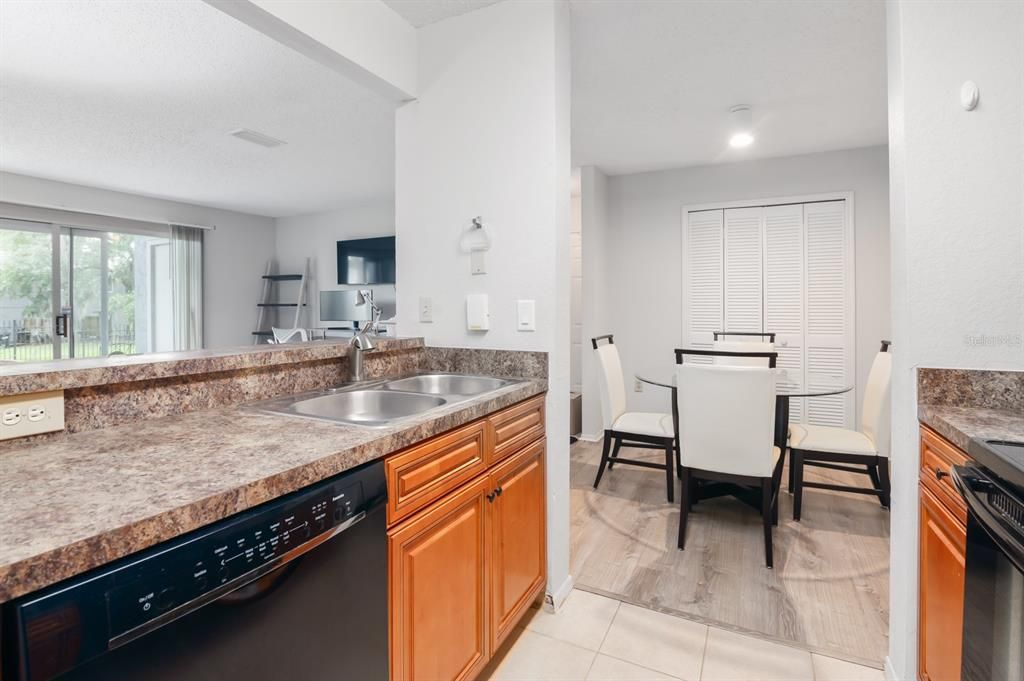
x: 367, y: 261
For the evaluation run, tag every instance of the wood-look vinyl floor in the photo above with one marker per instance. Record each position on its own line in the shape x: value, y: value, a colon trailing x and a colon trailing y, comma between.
x: 829, y: 590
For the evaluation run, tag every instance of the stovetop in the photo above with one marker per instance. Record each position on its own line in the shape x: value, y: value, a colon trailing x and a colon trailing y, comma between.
x: 1002, y: 457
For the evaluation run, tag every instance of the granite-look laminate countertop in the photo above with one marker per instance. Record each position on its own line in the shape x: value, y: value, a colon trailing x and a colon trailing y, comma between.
x: 71, y: 505
x: 960, y: 424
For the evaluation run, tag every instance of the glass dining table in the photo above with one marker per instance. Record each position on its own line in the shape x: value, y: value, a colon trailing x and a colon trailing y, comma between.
x: 784, y: 392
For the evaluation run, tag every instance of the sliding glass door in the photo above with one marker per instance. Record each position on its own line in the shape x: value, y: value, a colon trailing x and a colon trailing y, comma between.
x: 27, y: 285
x: 70, y: 292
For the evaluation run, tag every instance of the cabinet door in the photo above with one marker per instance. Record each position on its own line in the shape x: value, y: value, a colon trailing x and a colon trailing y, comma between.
x: 829, y: 355
x: 517, y: 523
x: 744, y: 270
x: 704, y: 279
x: 941, y: 607
x: 438, y: 589
x: 784, y: 295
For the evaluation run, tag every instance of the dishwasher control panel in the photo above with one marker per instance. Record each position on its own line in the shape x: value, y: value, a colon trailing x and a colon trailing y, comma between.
x: 158, y: 585
x: 114, y: 604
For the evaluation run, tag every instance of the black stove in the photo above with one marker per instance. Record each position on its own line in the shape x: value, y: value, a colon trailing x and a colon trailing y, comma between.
x: 993, y: 631
x: 1003, y: 458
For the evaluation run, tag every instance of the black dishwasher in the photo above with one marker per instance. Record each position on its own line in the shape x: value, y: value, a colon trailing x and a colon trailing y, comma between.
x: 292, y: 590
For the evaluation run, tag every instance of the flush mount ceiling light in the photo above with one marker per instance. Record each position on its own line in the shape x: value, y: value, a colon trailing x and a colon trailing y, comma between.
x: 741, y: 129
x: 257, y: 138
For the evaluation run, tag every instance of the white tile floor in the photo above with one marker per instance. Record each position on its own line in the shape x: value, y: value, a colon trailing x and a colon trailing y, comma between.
x: 594, y: 638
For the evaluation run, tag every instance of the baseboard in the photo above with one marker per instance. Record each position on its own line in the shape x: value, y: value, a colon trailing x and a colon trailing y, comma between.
x: 890, y: 672
x: 591, y: 438
x: 553, y: 601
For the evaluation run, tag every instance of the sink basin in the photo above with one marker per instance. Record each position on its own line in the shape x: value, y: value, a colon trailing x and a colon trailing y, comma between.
x: 382, y: 403
x: 365, y: 407
x: 447, y: 384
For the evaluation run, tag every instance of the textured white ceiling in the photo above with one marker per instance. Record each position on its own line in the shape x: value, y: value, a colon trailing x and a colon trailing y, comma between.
x: 140, y: 96
x: 422, y: 12
x: 653, y: 80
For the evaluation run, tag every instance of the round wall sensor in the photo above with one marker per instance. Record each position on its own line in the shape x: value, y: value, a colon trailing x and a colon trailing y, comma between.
x: 969, y: 95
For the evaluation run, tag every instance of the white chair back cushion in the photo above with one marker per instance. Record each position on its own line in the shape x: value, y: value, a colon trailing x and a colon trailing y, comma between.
x: 742, y: 346
x: 613, y: 386
x: 874, y: 418
x: 288, y: 335
x: 727, y: 418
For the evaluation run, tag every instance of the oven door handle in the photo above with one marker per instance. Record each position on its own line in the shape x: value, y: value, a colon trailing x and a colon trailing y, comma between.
x: 974, y: 486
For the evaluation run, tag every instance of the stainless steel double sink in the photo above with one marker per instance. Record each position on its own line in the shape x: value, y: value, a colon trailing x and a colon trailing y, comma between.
x: 382, y: 403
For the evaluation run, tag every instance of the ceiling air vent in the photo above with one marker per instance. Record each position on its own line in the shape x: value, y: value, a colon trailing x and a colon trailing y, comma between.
x: 256, y: 138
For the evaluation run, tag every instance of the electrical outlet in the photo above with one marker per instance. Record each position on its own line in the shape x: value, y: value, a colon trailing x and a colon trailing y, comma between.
x: 426, y: 310
x: 638, y: 386
x: 22, y: 415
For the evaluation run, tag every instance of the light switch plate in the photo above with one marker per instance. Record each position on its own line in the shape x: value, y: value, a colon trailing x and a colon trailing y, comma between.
x: 478, y: 262
x: 478, y: 316
x: 426, y: 310
x: 526, y: 315
x: 22, y: 415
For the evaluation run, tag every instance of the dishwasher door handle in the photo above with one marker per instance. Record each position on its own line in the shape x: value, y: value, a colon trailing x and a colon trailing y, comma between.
x: 232, y: 585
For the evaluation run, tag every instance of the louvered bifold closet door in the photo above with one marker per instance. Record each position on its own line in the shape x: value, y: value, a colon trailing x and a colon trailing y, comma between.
x: 704, y: 279
x: 829, y: 355
x: 784, y: 296
x: 744, y: 292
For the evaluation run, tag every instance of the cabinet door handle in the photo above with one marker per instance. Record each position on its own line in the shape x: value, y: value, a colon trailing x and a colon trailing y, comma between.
x: 498, y: 491
x: 491, y: 496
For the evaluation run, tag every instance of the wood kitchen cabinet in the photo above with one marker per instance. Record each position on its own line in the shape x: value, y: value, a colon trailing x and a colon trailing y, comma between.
x: 517, y: 539
x: 466, y: 565
x: 943, y: 545
x: 438, y: 589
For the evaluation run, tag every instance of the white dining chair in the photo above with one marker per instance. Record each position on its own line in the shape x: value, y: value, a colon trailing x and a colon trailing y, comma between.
x: 732, y: 341
x: 642, y: 430
x: 288, y: 335
x: 727, y: 433
x: 864, y: 451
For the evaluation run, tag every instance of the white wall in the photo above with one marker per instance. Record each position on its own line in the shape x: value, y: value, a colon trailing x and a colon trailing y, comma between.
x: 639, y: 281
x: 489, y: 136
x: 576, y: 286
x: 234, y: 254
x: 316, y: 236
x: 957, y: 233
x: 364, y: 40
x: 597, y: 277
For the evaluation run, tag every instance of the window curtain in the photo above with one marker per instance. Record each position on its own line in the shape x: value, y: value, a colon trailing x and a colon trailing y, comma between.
x: 187, y: 286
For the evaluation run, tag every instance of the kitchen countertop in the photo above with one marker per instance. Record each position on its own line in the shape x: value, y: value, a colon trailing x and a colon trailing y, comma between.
x: 71, y: 505
x: 960, y: 424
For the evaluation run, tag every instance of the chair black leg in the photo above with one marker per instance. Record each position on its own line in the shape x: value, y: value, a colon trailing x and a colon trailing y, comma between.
x: 886, y: 486
x: 604, y: 457
x: 873, y: 474
x: 766, y: 518
x: 775, y: 510
x: 792, y: 468
x: 685, y: 494
x: 670, y: 475
x: 776, y: 490
x: 797, y: 462
x: 615, y: 453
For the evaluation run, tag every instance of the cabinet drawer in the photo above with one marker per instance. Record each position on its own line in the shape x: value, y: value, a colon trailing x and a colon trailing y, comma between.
x: 515, y: 427
x: 426, y: 472
x: 938, y: 457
